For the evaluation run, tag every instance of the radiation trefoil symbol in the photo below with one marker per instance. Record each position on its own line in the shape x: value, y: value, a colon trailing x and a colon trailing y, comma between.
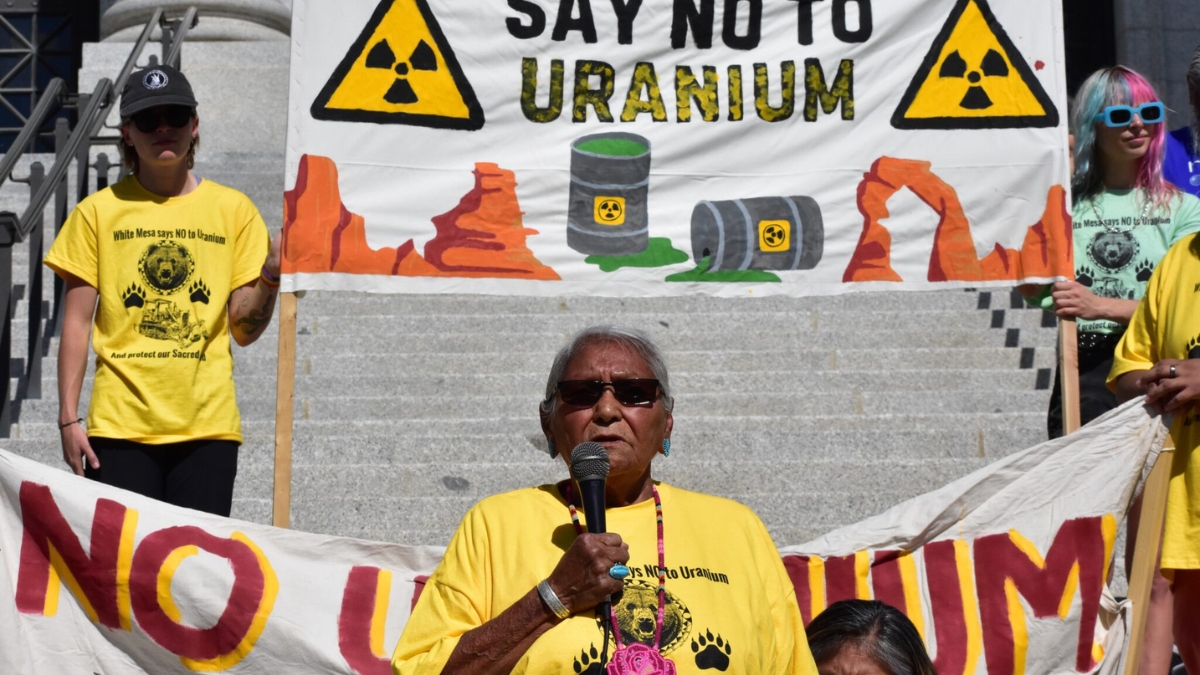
x: 973, y: 77
x: 773, y: 235
x: 610, y: 210
x: 381, y: 56
x: 400, y: 70
x: 992, y: 65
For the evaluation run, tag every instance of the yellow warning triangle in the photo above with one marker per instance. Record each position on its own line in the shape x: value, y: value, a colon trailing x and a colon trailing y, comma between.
x: 400, y: 70
x: 974, y: 78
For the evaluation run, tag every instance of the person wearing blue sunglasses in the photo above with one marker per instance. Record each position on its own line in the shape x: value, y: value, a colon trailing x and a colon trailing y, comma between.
x: 1181, y: 161
x: 1125, y: 217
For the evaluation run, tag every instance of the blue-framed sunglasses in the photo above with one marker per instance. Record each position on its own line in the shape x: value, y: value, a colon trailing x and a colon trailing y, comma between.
x: 1122, y: 115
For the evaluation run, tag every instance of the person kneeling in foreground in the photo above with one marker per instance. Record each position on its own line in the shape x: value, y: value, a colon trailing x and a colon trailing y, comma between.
x: 867, y: 637
x: 695, y: 580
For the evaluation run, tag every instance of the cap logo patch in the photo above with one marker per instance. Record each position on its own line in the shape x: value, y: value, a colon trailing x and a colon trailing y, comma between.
x: 155, y: 79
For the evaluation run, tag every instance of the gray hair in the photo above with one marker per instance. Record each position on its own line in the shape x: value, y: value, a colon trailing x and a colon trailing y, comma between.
x: 879, y: 631
x: 1193, y: 80
x: 630, y: 338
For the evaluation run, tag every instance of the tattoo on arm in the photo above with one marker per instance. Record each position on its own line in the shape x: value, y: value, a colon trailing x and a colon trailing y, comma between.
x: 256, y: 319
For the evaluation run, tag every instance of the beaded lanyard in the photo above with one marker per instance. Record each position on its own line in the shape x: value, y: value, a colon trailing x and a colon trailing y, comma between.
x: 662, y: 571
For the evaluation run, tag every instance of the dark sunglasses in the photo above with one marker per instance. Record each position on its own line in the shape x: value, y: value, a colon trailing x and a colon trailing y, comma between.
x: 1122, y: 115
x: 176, y: 117
x: 585, y: 393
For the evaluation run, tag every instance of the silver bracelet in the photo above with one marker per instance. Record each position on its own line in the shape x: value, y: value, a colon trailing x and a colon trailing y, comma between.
x: 551, y: 599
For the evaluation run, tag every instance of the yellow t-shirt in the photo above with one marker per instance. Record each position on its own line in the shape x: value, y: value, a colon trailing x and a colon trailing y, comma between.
x: 730, y: 603
x: 164, y: 268
x: 1167, y: 326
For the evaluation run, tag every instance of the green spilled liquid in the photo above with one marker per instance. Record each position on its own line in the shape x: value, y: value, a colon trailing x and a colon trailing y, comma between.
x: 613, y: 147
x: 727, y: 276
x: 659, y: 253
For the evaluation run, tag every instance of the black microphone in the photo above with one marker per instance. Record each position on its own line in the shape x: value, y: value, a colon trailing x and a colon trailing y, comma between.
x: 589, y: 466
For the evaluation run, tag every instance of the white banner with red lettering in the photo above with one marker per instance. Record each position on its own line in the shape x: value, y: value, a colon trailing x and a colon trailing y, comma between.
x: 1002, y: 571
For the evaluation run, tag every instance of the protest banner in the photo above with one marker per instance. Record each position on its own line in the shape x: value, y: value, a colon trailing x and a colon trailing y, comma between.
x: 1003, y: 572
x: 734, y: 148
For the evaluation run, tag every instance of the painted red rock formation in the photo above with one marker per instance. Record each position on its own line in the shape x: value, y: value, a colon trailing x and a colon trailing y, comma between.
x: 483, y: 236
x: 1045, y: 252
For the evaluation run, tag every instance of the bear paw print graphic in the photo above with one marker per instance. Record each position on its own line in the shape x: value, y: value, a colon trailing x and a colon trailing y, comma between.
x: 199, y: 292
x: 1193, y: 348
x: 134, y: 296
x: 1144, y: 270
x: 1085, y: 275
x: 712, y: 653
x: 588, y: 662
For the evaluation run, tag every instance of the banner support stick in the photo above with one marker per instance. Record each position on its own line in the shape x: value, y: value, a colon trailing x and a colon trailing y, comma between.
x: 285, y: 389
x: 1145, y: 554
x: 1068, y: 374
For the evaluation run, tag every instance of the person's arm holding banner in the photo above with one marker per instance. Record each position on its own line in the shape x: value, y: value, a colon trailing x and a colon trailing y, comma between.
x: 1172, y: 385
x: 1073, y: 300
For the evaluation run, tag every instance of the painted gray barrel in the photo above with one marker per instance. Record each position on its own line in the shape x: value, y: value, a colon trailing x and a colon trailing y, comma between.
x: 607, y: 213
x: 760, y: 233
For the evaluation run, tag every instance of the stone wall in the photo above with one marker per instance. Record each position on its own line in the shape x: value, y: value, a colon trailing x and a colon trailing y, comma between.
x: 1157, y: 38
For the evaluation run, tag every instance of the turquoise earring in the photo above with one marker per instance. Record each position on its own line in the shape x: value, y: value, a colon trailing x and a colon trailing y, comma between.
x: 553, y: 450
x: 666, y: 447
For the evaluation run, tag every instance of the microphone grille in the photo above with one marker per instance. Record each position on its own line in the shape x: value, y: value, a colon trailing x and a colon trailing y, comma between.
x: 589, y: 460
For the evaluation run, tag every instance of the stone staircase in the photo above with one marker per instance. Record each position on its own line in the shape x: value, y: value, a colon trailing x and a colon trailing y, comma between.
x: 816, y: 412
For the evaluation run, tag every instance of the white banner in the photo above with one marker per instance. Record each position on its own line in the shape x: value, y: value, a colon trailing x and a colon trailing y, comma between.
x: 1002, y: 571
x: 669, y: 147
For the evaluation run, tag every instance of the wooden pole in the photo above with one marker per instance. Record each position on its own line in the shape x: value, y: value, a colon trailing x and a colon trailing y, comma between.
x: 1145, y: 554
x: 1068, y: 374
x: 285, y: 390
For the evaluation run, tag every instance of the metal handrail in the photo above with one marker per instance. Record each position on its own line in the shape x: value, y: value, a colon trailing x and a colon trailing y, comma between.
x: 97, y: 110
x: 138, y: 46
x: 53, y: 94
x: 181, y: 31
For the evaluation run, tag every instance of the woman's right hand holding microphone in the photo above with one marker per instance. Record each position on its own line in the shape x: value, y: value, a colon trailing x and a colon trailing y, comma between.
x: 581, y: 579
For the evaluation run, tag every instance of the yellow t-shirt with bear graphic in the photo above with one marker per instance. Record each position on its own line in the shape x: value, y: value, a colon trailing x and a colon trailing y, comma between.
x: 164, y: 268
x: 731, y: 606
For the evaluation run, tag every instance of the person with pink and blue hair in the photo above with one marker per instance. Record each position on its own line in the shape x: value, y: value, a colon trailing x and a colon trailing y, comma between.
x: 1125, y: 216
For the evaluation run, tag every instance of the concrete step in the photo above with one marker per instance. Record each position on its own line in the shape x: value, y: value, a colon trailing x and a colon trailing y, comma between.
x: 794, y: 322
x: 471, y: 453
x: 259, y: 361
x: 349, y: 303
x: 437, y: 432
x: 349, y: 407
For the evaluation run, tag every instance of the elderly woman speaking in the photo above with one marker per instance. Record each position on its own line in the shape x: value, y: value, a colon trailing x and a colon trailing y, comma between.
x: 695, y: 581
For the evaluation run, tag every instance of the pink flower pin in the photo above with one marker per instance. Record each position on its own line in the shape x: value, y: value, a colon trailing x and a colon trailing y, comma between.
x: 638, y: 659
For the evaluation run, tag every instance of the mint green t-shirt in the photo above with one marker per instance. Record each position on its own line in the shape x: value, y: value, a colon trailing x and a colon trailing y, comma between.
x: 1119, y: 240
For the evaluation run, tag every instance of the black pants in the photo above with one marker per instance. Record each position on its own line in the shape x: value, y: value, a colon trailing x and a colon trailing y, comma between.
x: 1095, y: 360
x: 195, y: 474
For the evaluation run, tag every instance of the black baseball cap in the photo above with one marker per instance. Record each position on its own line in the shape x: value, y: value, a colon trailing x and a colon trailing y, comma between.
x: 154, y: 86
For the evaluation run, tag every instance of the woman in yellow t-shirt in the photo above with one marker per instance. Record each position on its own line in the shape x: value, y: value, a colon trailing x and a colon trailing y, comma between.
x: 1159, y: 356
x: 696, y: 581
x: 170, y: 266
